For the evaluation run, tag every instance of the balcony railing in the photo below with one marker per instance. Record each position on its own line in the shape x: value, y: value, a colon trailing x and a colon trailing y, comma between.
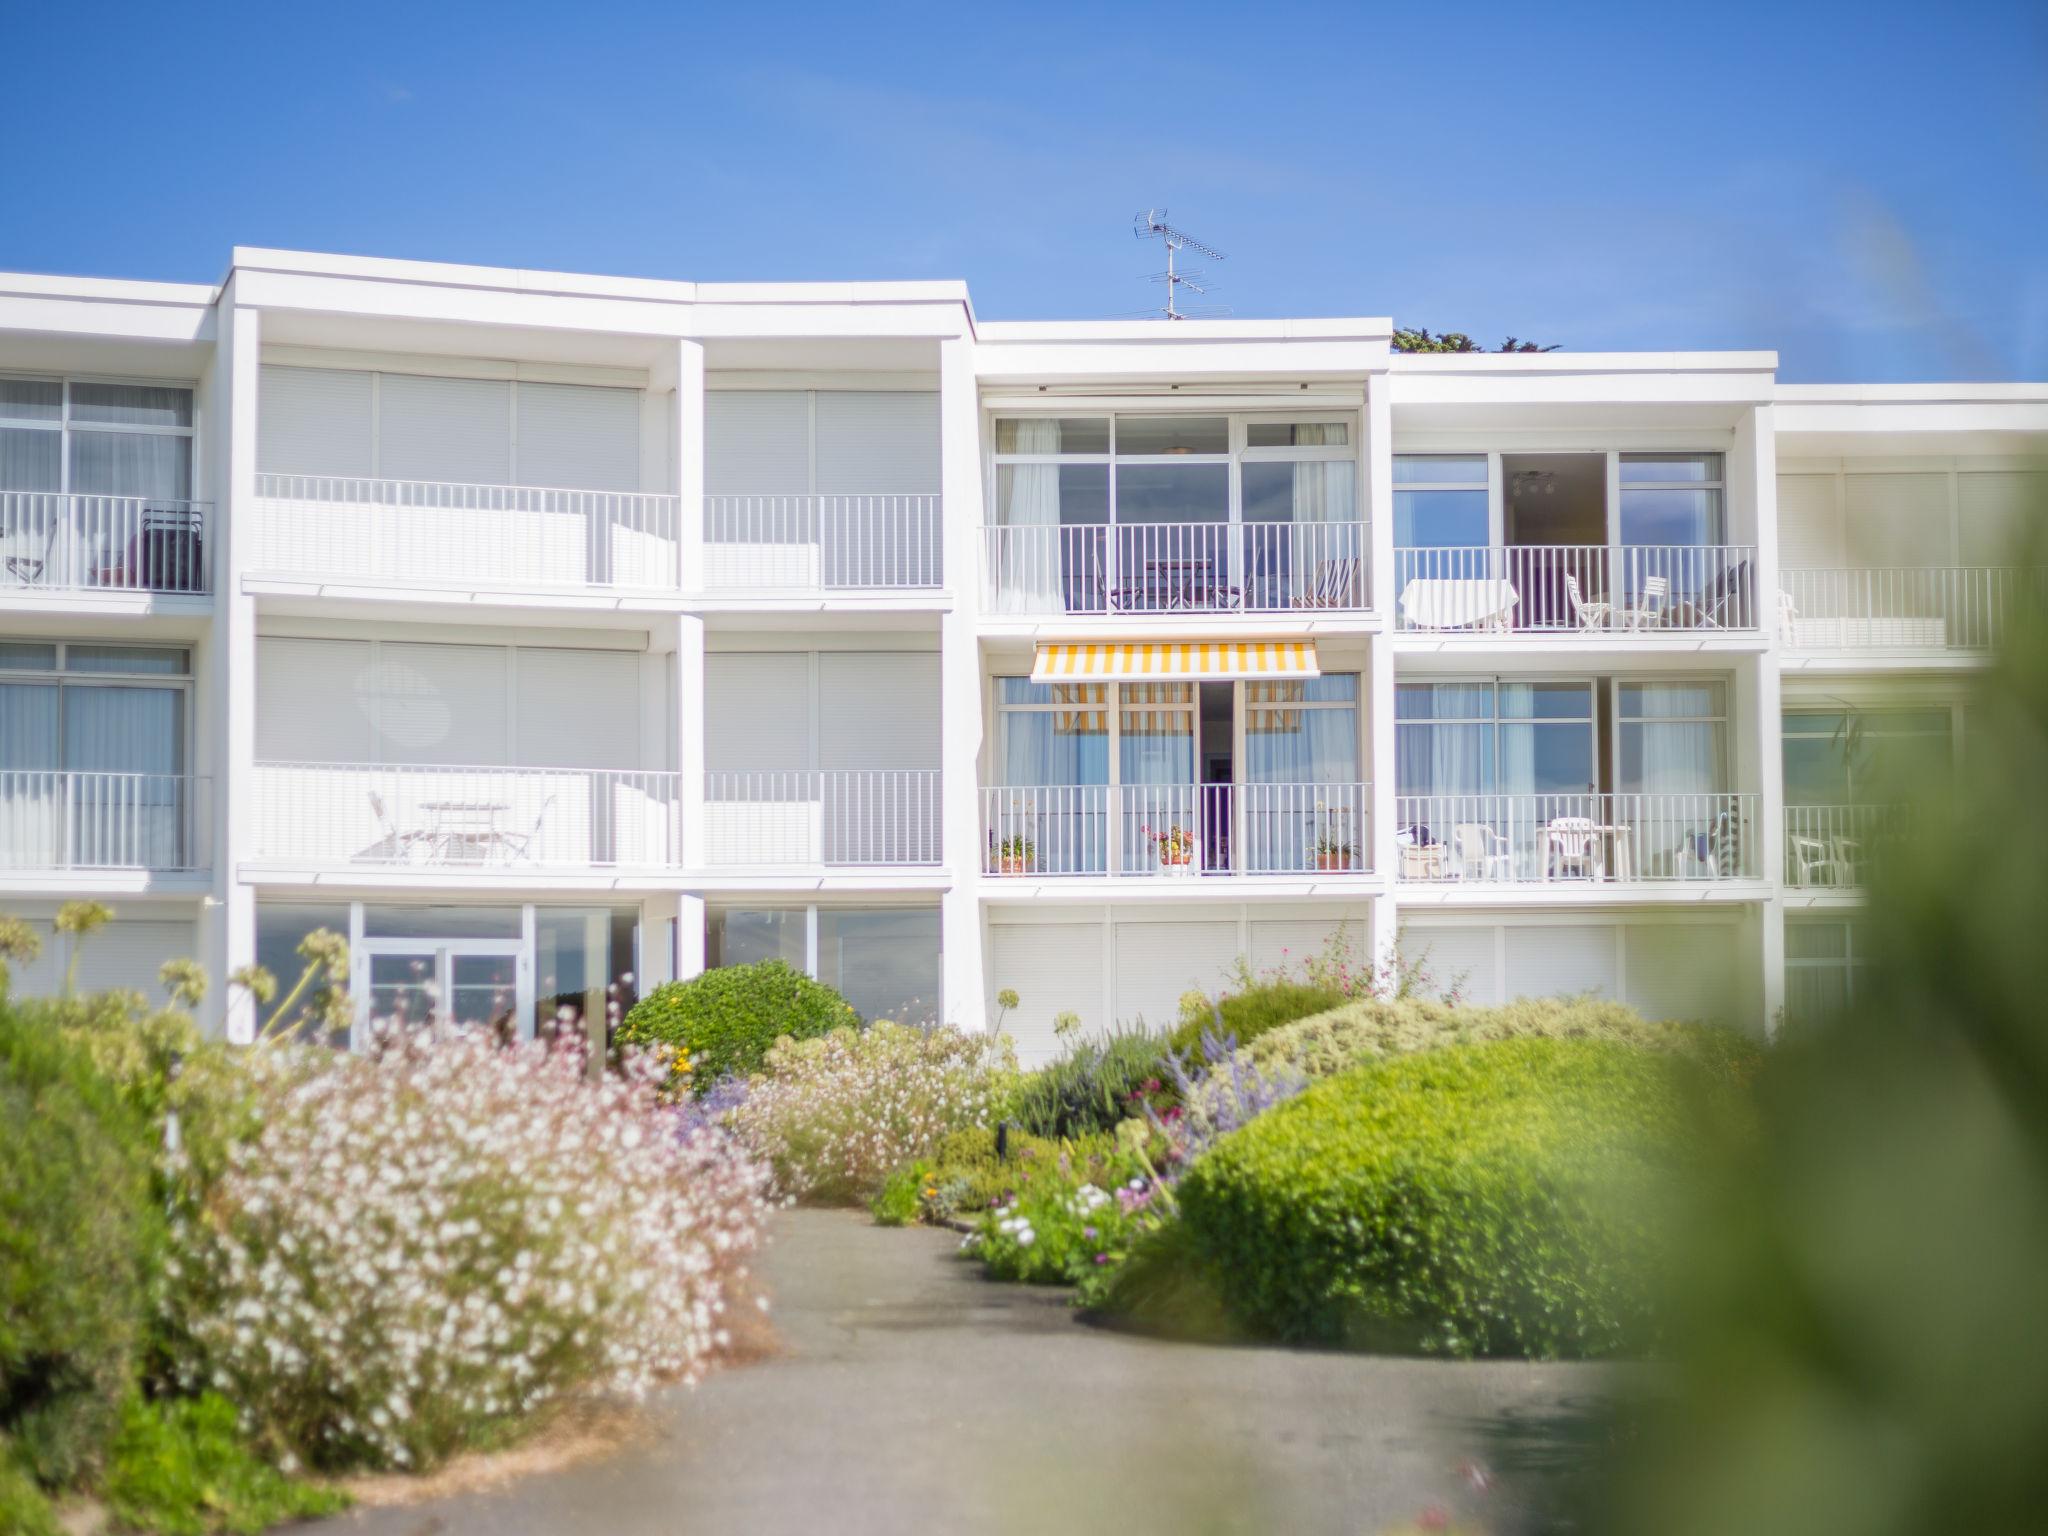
x: 822, y: 816
x: 1929, y: 608
x: 440, y: 534
x: 72, y: 543
x: 1099, y: 568
x: 53, y: 819
x: 1830, y: 847
x: 431, y: 816
x: 1175, y: 829
x: 822, y: 543
x: 1577, y: 588
x: 1576, y: 839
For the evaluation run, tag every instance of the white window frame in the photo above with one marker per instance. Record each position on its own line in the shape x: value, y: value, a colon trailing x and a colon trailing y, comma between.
x: 1722, y: 770
x: 64, y: 425
x: 61, y: 677
x: 1850, y: 962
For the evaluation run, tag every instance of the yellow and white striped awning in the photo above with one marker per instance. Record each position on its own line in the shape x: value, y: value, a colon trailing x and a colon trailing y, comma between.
x: 1190, y: 661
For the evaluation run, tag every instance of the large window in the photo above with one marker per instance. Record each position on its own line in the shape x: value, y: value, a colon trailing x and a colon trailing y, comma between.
x: 98, y: 439
x: 1824, y: 966
x: 1866, y: 757
x: 1673, y: 737
x: 1488, y: 737
x: 1671, y: 498
x: 882, y: 960
x: 1440, y: 501
x: 1302, y: 732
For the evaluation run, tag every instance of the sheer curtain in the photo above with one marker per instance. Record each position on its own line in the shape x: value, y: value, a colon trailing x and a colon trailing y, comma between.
x: 124, y: 745
x: 1324, y: 492
x: 1028, y: 576
x: 30, y: 810
x: 1670, y: 752
x: 1156, y: 767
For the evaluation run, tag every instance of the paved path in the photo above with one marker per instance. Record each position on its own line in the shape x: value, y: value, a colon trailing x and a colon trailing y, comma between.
x: 914, y: 1396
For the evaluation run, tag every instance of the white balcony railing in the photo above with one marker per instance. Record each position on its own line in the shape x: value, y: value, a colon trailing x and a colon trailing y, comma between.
x: 1577, y: 588
x: 1091, y: 568
x: 822, y: 816
x: 53, y: 819
x: 1582, y: 839
x: 1831, y: 846
x: 74, y: 543
x: 439, y: 534
x: 822, y: 543
x: 1175, y: 829
x: 1946, y: 608
x: 430, y: 816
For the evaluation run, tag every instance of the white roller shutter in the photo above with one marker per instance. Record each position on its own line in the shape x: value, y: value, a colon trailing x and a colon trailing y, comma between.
x: 1993, y: 509
x: 878, y: 709
x: 1453, y: 961
x: 1682, y: 971
x: 130, y: 954
x: 1157, y: 962
x: 1286, y: 943
x: 1809, y: 524
x: 756, y: 442
x: 456, y: 430
x: 314, y: 421
x: 1562, y: 960
x: 880, y: 441
x: 579, y: 436
x: 1897, y: 519
x: 313, y: 701
x: 442, y: 703
x: 576, y: 709
x: 757, y: 710
x: 44, y: 975
x: 1053, y: 968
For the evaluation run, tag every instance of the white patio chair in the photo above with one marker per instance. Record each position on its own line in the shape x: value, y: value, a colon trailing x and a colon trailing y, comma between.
x: 1571, y: 849
x: 1483, y: 854
x: 392, y: 843
x: 1335, y: 585
x: 1589, y: 615
x: 1647, y: 611
x: 519, y: 845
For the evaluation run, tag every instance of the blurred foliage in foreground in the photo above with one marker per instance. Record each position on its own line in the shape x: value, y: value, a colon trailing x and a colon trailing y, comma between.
x: 1867, y: 1349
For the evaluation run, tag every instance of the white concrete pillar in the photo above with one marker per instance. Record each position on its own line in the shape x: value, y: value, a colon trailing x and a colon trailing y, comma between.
x: 227, y: 923
x: 689, y: 955
x: 688, y: 437
x: 1753, y: 482
x: 964, y: 993
x: 1379, y: 504
x: 687, y: 678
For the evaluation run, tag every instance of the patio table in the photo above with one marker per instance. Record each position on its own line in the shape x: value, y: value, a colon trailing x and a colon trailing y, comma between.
x: 1447, y: 602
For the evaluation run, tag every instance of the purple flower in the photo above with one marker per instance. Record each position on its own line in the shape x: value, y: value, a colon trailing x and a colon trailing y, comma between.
x: 1102, y: 1258
x: 1089, y: 1233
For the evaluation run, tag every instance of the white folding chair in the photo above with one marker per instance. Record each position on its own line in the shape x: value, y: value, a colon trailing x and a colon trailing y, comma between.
x: 1647, y: 611
x: 1589, y: 615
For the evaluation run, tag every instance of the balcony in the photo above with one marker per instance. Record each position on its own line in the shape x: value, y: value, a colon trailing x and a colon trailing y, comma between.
x: 72, y: 543
x: 1830, y: 847
x: 1152, y: 568
x: 59, y: 820
x: 1572, y: 589
x: 1924, y: 609
x: 1583, y: 840
x: 1175, y: 830
x: 822, y: 543
x: 434, y: 818
x: 439, y: 534
x: 832, y: 816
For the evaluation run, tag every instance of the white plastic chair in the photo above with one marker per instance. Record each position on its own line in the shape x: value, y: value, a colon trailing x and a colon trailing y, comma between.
x: 1589, y: 615
x: 1571, y: 849
x: 1648, y: 608
x: 519, y: 845
x: 1483, y: 854
x: 392, y: 843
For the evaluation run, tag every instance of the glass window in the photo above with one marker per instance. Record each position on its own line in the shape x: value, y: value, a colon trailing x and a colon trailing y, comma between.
x: 1673, y: 737
x: 1439, y: 502
x: 1173, y: 493
x: 280, y: 928
x: 1824, y: 966
x: 27, y: 656
x: 31, y: 460
x: 885, y: 962
x: 1868, y: 757
x: 1671, y: 499
x: 1303, y: 491
x: 1052, y: 434
x: 132, y: 405
x: 120, y: 439
x: 1296, y: 434
x: 1139, y: 435
x: 1052, y: 733
x: 583, y: 969
x: 1157, y: 733
x: 153, y: 660
x: 746, y: 936
x: 31, y: 400
x: 1440, y: 470
x: 1302, y: 732
x: 450, y: 922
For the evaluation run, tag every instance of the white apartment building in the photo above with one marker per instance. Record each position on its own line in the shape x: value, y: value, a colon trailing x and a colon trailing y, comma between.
x: 552, y: 634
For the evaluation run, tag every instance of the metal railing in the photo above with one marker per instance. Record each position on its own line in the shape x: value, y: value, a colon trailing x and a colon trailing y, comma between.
x: 822, y: 816
x: 428, y: 816
x: 76, y: 543
x: 815, y: 543
x: 440, y: 533
x: 1092, y: 568
x: 59, y: 819
x: 1832, y: 846
x: 1175, y: 829
x: 1595, y: 839
x: 1925, y: 608
x: 1577, y: 588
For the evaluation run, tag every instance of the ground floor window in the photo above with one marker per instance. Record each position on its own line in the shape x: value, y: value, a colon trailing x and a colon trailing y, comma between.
x: 883, y: 960
x: 1824, y: 964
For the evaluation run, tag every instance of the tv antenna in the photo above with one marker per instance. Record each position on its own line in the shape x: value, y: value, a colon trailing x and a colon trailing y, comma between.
x: 1152, y: 225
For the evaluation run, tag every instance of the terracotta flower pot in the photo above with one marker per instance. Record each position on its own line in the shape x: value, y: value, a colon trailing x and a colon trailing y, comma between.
x: 1328, y: 861
x: 1014, y: 864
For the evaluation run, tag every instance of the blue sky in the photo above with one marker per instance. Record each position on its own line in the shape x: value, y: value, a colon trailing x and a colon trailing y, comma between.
x: 1863, y: 187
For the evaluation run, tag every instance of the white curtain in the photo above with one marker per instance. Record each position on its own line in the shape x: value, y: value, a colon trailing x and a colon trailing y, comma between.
x: 123, y: 743
x: 30, y: 810
x: 1028, y: 574
x: 1326, y: 560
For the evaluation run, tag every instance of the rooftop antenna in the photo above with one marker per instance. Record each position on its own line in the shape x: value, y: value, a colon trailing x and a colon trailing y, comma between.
x: 1152, y: 225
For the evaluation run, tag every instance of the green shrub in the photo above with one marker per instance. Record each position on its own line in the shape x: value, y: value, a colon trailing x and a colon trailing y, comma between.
x: 1096, y: 1084
x: 724, y: 1021
x: 80, y: 1241
x: 1481, y: 1199
x: 24, y: 1508
x: 1253, y: 1011
x: 901, y: 1199
x: 180, y: 1469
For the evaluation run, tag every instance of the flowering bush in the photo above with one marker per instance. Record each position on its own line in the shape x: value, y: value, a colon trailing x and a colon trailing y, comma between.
x: 835, y: 1116
x: 414, y: 1247
x: 1064, y: 1234
x: 724, y: 1021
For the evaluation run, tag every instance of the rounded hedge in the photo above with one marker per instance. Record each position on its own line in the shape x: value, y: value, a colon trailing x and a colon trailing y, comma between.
x: 80, y: 1239
x: 727, y: 1018
x: 1489, y: 1199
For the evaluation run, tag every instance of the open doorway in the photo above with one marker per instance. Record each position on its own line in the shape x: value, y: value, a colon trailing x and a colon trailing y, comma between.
x: 1218, y: 757
x: 1554, y: 524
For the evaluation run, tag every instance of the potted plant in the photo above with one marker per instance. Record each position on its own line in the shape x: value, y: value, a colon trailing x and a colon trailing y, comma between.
x: 1175, y: 847
x: 1333, y: 852
x: 1014, y: 854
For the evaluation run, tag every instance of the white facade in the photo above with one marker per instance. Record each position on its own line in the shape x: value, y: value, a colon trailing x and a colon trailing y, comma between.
x: 547, y: 633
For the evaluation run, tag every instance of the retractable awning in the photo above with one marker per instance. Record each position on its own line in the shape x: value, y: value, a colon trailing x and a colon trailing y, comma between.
x: 1188, y: 661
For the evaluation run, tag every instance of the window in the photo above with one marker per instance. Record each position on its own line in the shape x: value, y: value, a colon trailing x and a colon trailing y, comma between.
x: 1440, y: 502
x: 97, y: 439
x: 1824, y: 965
x: 1673, y: 737
x: 1303, y: 732
x: 1052, y: 733
x: 1671, y: 498
x: 882, y: 960
x: 1866, y: 757
x: 1509, y: 737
